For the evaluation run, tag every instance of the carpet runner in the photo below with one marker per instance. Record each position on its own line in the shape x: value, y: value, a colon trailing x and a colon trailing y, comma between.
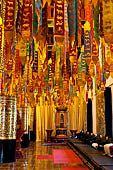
x: 65, y: 156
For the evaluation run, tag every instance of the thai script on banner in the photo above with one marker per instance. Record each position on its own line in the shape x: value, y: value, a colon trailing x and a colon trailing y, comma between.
x: 87, y: 44
x: 53, y: 62
x: 35, y: 63
x: 27, y: 16
x: 79, y: 72
x: 9, y: 15
x: 73, y: 59
x: 59, y: 17
x: 19, y: 17
x: 83, y: 63
x: 72, y: 17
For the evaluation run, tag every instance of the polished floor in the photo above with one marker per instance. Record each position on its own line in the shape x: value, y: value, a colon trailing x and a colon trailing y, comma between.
x: 30, y: 161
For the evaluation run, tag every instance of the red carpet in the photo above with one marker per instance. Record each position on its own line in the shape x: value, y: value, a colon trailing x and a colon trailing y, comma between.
x: 49, y: 157
x: 65, y: 156
x: 74, y: 168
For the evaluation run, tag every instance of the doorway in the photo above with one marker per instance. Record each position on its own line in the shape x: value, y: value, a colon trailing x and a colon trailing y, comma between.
x: 89, y: 116
x: 108, y: 111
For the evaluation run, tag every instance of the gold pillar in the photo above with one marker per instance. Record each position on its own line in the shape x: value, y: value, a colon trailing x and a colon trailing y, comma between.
x: 7, y: 117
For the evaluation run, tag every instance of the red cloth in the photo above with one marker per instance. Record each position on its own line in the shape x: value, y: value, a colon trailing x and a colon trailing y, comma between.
x: 65, y: 156
x: 74, y: 168
x: 49, y: 157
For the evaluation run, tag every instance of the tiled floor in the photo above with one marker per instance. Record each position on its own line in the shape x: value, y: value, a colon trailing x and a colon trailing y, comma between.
x: 30, y: 161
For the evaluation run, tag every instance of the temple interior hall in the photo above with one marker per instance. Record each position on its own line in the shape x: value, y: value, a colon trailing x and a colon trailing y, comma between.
x: 56, y: 84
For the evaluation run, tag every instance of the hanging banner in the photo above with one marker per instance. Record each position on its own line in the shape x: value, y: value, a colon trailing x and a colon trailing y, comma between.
x: 83, y: 63
x: 19, y: 17
x: 53, y: 61
x: 27, y: 17
x: 95, y: 51
x: 72, y: 17
x: 68, y: 64
x: 9, y: 15
x: 49, y: 69
x: 35, y: 19
x: 79, y: 6
x: 108, y: 20
x: 101, y: 19
x: 35, y: 63
x: 87, y: 42
x: 59, y: 17
x: 44, y: 20
x: 18, y: 66
x: 73, y: 59
x: 96, y: 22
x: 88, y: 12
x: 22, y: 51
x: 98, y: 73
x: 79, y: 71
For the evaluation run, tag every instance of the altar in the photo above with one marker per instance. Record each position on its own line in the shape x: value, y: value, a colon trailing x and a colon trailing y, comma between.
x: 61, y: 121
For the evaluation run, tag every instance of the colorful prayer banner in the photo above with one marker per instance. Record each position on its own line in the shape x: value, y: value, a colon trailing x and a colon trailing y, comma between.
x: 72, y: 17
x: 35, y: 19
x: 83, y: 63
x: 96, y: 22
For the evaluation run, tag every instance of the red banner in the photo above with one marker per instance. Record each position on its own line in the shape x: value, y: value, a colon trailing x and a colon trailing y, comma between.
x: 98, y: 73
x: 73, y: 59
x: 27, y: 15
x: 18, y: 64
x: 88, y: 12
x: 53, y: 62
x: 59, y: 17
x: 9, y: 15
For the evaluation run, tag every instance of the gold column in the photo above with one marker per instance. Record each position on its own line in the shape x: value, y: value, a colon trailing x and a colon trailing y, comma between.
x: 7, y: 117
